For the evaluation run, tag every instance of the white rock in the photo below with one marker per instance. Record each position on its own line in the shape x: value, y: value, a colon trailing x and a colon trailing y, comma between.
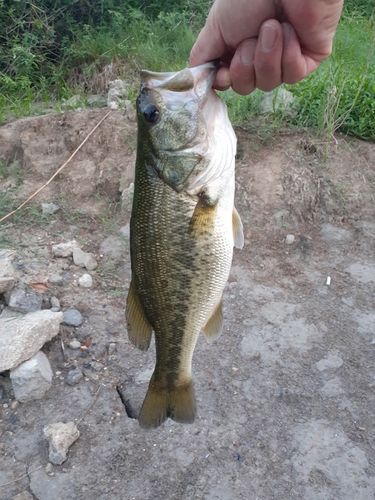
x: 278, y: 100
x: 6, y: 273
x: 289, y: 240
x: 60, y: 436
x: 49, y: 208
x: 32, y: 379
x: 85, y: 281
x: 64, y: 249
x: 21, y: 338
x: 117, y: 93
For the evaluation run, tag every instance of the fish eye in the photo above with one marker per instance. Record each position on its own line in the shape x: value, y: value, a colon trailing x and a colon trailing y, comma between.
x: 151, y: 113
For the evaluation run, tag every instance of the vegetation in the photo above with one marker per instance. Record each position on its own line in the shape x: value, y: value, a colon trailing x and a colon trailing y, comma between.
x: 51, y: 50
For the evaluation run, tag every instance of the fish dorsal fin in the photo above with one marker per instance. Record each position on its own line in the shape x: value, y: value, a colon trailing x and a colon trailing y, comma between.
x: 214, y: 326
x: 238, y: 237
x: 139, y: 329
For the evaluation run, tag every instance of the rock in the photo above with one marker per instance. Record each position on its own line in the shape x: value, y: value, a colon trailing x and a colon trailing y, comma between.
x: 74, y: 376
x: 22, y: 338
x: 23, y: 301
x: 60, y: 436
x: 332, y: 361
x: 83, y: 259
x: 332, y: 234
x: 55, y: 278
x: 48, y: 469
x: 9, y: 313
x: 72, y: 317
x: 7, y: 277
x: 64, y: 249
x: 364, y: 272
x: 289, y: 240
x: 55, y: 303
x: 129, y: 110
x: 112, y: 247
x: 117, y: 94
x: 24, y: 495
x: 97, y: 101
x: 15, y: 405
x: 96, y: 366
x: 49, y: 208
x: 74, y: 344
x: 85, y: 281
x: 32, y: 379
x: 278, y: 100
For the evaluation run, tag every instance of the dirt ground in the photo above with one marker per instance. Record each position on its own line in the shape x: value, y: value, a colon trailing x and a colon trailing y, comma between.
x: 285, y: 396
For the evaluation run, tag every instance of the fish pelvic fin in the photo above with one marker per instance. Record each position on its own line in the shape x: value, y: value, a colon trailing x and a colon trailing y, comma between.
x: 238, y: 237
x: 139, y: 329
x: 160, y: 403
x: 214, y: 326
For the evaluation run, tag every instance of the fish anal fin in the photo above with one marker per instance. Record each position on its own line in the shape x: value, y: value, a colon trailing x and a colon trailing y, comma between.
x: 214, y: 326
x: 161, y: 403
x: 139, y: 329
x: 238, y: 237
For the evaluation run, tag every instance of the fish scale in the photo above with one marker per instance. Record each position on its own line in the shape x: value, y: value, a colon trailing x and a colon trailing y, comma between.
x: 181, y: 252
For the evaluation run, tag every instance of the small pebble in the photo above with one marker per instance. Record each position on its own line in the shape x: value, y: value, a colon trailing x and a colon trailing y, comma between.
x: 74, y: 344
x: 289, y: 240
x: 55, y: 278
x: 95, y: 365
x: 85, y: 281
x: 74, y: 376
x: 15, y: 405
x: 55, y: 303
x: 48, y: 469
x: 72, y: 317
x: 49, y: 208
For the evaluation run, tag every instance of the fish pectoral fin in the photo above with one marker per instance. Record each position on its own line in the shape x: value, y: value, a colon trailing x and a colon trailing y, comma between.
x: 160, y: 403
x: 238, y: 237
x: 139, y: 329
x: 214, y: 326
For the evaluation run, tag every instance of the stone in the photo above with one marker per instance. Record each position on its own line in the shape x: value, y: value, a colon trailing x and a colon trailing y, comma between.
x: 335, y: 235
x: 96, y: 366
x: 21, y: 300
x: 74, y: 376
x: 48, y: 469
x: 363, y: 272
x: 64, y: 249
x: 83, y: 259
x: 49, y: 208
x: 85, y: 281
x: 60, y: 436
x: 117, y: 93
x: 278, y: 100
x: 289, y: 240
x: 9, y: 313
x: 332, y: 361
x: 23, y: 337
x: 54, y: 301
x: 32, y: 379
x: 97, y: 101
x: 73, y: 103
x: 72, y: 317
x: 24, y: 495
x: 74, y: 344
x: 331, y: 389
x: 55, y: 278
x: 7, y: 277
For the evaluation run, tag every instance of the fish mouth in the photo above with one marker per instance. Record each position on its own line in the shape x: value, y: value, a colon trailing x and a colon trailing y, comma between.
x: 197, y: 81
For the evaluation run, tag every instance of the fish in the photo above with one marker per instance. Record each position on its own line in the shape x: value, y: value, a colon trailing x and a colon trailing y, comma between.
x: 183, y: 229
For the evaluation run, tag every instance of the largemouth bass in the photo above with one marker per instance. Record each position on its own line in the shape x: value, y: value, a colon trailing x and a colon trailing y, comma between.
x: 182, y: 230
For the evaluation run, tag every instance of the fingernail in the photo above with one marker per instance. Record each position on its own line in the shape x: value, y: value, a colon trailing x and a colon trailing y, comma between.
x: 247, y: 51
x: 268, y: 37
x: 287, y: 33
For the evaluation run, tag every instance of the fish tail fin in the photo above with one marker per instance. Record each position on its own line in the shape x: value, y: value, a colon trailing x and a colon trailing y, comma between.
x: 161, y: 403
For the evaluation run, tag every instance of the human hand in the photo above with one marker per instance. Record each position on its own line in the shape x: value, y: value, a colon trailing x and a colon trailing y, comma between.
x: 264, y: 43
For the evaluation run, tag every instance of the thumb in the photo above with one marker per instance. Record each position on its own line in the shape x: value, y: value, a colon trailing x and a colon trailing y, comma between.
x: 210, y: 44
